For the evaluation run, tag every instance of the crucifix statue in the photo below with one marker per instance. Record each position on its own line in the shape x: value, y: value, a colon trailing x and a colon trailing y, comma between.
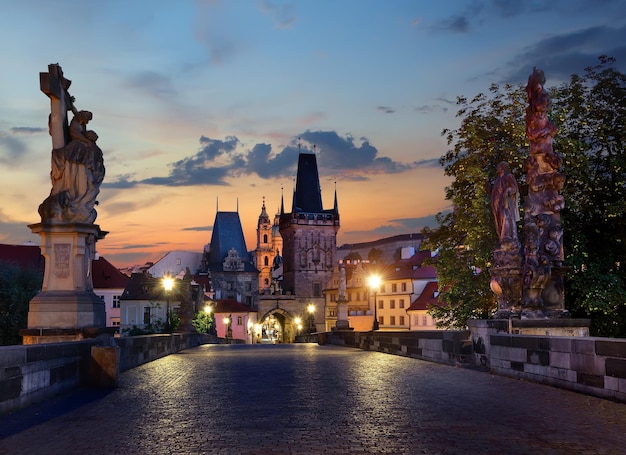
x: 77, y: 167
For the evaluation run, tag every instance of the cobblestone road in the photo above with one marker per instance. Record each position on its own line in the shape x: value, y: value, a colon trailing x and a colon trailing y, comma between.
x: 302, y: 399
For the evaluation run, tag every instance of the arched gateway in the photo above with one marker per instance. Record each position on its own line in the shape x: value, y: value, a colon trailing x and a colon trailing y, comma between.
x: 278, y: 326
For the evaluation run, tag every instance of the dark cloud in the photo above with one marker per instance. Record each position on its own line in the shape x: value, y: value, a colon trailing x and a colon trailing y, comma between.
x: 560, y: 56
x: 284, y: 16
x: 199, y: 228
x: 433, y: 162
x: 11, y: 149
x: 156, y: 84
x: 456, y: 24
x: 218, y: 160
x: 386, y: 110
x: 27, y: 130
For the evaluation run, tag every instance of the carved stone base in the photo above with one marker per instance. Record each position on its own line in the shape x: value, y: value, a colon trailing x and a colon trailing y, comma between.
x: 342, y: 314
x: 66, y: 310
x: 67, y: 301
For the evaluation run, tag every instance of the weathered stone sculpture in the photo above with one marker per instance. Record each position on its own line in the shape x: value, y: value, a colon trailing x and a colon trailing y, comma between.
x: 77, y: 163
x: 506, y: 270
x: 67, y: 309
x: 534, y: 289
x: 543, y: 250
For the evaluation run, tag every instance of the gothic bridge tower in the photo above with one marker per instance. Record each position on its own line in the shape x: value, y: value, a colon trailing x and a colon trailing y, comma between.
x: 309, y: 234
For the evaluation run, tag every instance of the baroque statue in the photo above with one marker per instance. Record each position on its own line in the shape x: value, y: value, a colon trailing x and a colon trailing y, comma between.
x: 77, y: 165
x: 529, y: 280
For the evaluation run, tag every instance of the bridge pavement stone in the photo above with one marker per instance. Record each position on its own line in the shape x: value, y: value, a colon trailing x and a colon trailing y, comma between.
x: 309, y: 399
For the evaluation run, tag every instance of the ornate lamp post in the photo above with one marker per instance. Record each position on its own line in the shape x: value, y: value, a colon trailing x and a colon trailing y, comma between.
x: 311, y: 309
x: 168, y: 284
x: 374, y: 284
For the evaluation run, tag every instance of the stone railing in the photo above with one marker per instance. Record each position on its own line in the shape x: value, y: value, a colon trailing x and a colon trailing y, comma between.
x: 593, y: 366
x: 449, y: 347
x: 30, y: 373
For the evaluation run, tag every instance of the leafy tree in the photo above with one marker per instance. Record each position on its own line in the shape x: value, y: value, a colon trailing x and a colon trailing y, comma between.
x: 375, y: 255
x: 589, y: 112
x: 353, y: 256
x: 18, y: 286
x: 204, y: 322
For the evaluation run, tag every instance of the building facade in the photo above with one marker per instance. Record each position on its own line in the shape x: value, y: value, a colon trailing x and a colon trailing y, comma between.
x: 232, y: 272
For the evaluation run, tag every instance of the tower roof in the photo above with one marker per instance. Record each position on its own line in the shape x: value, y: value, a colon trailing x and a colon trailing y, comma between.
x: 308, y: 194
x: 227, y: 234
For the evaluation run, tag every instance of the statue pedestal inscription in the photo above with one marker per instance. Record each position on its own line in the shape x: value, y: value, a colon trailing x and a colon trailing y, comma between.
x: 67, y: 304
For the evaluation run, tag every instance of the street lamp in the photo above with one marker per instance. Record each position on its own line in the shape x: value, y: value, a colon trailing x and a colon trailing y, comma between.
x: 311, y: 309
x: 374, y: 283
x: 168, y: 284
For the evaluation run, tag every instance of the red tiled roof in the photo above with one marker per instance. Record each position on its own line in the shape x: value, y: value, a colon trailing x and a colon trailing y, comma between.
x: 425, y: 272
x: 27, y: 256
x: 106, y: 276
x: 230, y: 306
x: 426, y: 298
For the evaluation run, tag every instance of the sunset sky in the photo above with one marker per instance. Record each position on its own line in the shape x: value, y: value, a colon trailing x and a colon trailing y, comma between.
x: 199, y: 104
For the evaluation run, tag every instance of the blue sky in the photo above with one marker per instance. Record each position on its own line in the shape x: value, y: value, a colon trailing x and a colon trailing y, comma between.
x: 199, y: 104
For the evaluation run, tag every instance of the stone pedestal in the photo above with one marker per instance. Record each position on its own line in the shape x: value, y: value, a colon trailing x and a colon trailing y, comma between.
x: 342, y: 315
x: 67, y: 307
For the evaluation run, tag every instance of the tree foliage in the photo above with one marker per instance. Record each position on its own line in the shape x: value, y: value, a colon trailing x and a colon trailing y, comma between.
x: 589, y: 111
x: 18, y: 286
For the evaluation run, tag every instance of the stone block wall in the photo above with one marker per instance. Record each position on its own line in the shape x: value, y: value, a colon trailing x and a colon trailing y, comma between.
x: 594, y: 366
x: 449, y: 347
x: 33, y: 372
x: 30, y: 373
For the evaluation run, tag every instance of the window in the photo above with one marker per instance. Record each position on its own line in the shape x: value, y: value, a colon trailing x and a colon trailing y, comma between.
x: 358, y: 296
x: 401, y: 303
x: 264, y: 238
x: 417, y: 320
x: 331, y: 313
x: 401, y: 320
x: 349, y: 296
x: 424, y: 320
x: 266, y: 281
x: 115, y: 322
x: 177, y: 261
x: 392, y: 304
x: 266, y: 260
x: 403, y: 287
x: 249, y: 300
x: 392, y: 320
x: 317, y: 290
x: 381, y: 320
x: 239, y: 320
x: 333, y: 297
x: 381, y: 306
x: 102, y: 297
x: 116, y: 301
x: 146, y: 315
x: 394, y: 287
